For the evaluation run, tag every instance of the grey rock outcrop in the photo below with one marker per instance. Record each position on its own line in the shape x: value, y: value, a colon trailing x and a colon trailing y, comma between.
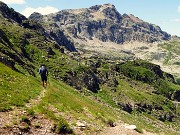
x: 105, y: 23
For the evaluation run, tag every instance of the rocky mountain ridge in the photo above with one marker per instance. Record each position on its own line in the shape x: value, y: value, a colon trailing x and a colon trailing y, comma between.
x: 103, y: 22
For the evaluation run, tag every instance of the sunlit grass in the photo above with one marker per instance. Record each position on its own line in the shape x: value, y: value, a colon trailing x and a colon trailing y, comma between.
x: 72, y: 103
x: 15, y: 88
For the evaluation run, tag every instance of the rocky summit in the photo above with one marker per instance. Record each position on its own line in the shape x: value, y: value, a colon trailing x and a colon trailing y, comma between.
x: 103, y: 22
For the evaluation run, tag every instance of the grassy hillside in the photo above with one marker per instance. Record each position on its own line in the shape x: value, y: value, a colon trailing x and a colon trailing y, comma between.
x: 16, y: 89
x: 59, y: 103
x: 62, y: 101
x: 65, y: 106
x: 23, y: 48
x: 173, y: 47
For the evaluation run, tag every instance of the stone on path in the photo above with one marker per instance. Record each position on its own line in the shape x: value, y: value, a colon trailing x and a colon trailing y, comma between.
x: 130, y: 127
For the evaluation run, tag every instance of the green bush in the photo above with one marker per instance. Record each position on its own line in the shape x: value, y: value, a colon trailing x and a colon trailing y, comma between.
x: 164, y: 88
x: 178, y: 81
x: 62, y: 127
x: 138, y: 73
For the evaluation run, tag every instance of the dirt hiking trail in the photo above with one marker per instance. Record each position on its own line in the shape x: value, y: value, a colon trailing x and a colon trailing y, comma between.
x: 19, y: 121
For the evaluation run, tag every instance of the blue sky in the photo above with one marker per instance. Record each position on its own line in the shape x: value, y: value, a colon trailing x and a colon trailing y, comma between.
x: 165, y: 13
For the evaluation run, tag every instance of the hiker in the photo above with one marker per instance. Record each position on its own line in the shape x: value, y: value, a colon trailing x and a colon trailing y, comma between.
x: 44, y: 73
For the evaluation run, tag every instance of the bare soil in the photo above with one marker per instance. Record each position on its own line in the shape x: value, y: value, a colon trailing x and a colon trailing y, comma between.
x: 12, y: 123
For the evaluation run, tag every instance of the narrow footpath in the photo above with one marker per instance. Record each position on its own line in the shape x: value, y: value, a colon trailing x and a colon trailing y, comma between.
x: 19, y: 121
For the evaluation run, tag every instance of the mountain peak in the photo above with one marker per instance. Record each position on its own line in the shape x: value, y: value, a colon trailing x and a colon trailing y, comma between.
x: 101, y: 7
x: 36, y: 16
x: 105, y: 11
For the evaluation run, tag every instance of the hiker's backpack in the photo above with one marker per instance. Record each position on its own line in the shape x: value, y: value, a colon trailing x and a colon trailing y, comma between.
x: 43, y: 70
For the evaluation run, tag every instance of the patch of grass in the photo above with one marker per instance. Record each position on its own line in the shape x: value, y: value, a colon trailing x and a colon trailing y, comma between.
x: 172, y: 46
x: 151, y: 74
x: 43, y: 108
x: 62, y: 127
x: 139, y: 130
x: 25, y: 119
x: 166, y: 88
x: 15, y: 88
x: 105, y: 96
x: 141, y: 121
x: 135, y: 92
x: 138, y: 71
x: 31, y: 112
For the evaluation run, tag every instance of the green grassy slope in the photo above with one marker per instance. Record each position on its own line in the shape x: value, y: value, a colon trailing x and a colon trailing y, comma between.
x: 63, y: 101
x: 65, y: 105
x: 15, y: 88
x: 23, y: 47
x: 173, y: 49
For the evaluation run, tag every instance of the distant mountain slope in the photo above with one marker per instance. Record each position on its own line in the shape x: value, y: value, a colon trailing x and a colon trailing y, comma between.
x: 9, y: 15
x: 103, y: 22
x: 102, y: 31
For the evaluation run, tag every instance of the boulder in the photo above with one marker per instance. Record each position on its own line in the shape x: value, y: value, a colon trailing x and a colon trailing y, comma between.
x: 132, y: 127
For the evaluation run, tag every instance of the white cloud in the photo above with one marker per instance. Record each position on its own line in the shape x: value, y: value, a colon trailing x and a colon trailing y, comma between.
x: 13, y: 1
x: 179, y: 9
x: 43, y: 10
x: 175, y: 20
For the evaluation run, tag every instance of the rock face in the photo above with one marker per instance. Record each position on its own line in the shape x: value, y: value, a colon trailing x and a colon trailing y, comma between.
x: 36, y: 16
x: 103, y: 22
x: 55, y: 32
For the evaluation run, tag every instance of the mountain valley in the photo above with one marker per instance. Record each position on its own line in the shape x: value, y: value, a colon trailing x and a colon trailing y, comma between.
x: 105, y: 70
